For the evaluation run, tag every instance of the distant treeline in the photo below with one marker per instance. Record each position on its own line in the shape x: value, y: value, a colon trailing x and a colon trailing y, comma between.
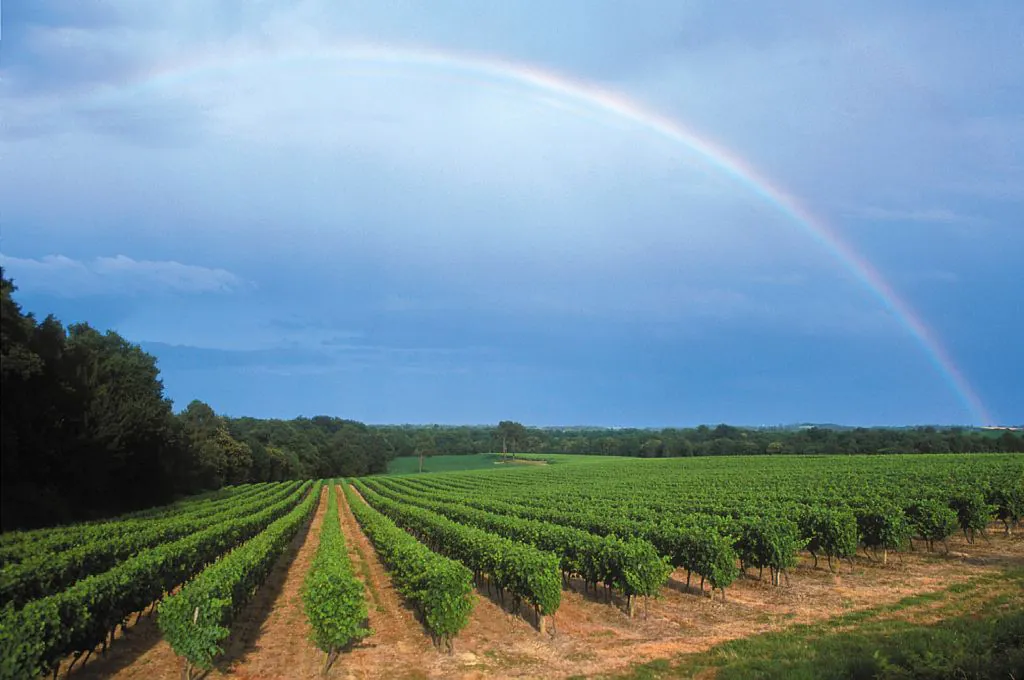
x: 86, y: 432
x: 721, y: 440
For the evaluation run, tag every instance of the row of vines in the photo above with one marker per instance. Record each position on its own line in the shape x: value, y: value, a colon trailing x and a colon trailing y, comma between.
x: 36, y: 637
x: 616, y: 526
x: 716, y: 519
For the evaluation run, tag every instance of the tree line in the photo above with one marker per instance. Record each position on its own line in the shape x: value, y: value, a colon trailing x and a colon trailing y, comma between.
x: 86, y: 432
x: 703, y: 440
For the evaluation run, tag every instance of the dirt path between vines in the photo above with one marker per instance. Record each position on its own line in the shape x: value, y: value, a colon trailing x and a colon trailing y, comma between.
x: 399, y: 646
x: 269, y: 640
x: 271, y: 637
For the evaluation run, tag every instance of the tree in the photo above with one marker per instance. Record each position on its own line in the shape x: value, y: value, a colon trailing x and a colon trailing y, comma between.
x: 652, y: 448
x: 217, y: 458
x: 280, y: 465
x: 682, y: 447
x: 200, y: 420
x: 425, y: 446
x: 510, y: 433
x: 84, y: 420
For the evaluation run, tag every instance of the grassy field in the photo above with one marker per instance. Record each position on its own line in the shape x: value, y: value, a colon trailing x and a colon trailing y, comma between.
x: 486, y: 461
x: 575, y: 458
x: 973, y: 629
x: 478, y: 461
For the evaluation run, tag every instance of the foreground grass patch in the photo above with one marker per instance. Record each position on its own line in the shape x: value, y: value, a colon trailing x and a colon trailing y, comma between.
x: 966, y: 631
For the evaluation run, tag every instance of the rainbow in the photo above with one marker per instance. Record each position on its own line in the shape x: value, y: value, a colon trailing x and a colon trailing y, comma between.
x: 621, y: 108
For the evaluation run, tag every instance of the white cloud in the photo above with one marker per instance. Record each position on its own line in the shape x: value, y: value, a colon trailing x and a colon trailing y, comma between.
x: 120, y: 274
x: 934, y: 215
x: 932, y: 276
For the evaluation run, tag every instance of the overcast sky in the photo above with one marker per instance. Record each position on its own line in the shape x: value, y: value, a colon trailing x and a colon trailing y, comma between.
x: 427, y: 212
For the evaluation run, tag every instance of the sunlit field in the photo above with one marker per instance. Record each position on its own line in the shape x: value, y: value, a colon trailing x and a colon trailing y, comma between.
x: 552, y: 566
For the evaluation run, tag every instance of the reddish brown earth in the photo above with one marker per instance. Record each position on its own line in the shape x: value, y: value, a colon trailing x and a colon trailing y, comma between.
x: 399, y: 646
x: 590, y: 637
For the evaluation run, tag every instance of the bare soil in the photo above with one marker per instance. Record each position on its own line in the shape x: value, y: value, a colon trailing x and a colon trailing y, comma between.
x: 590, y: 637
x: 399, y: 646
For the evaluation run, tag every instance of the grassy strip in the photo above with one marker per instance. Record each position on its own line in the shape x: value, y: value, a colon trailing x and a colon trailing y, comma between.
x: 364, y: 571
x: 979, y: 633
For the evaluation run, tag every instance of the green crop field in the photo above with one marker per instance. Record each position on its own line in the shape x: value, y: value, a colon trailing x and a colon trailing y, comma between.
x: 623, y: 526
x: 894, y: 566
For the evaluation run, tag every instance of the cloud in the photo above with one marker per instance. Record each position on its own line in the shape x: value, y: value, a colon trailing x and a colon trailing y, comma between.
x: 932, y: 276
x: 300, y: 360
x: 932, y: 215
x: 297, y: 322
x: 389, y: 205
x: 67, y: 277
x: 187, y: 357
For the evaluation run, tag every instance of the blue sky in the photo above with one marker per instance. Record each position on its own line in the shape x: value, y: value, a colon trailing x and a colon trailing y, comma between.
x: 298, y: 217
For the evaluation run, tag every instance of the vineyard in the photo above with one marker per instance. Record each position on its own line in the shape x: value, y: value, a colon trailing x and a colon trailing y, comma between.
x: 574, y: 567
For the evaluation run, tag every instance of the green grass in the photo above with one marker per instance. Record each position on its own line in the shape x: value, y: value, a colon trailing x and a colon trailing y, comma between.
x: 364, y: 570
x: 410, y: 465
x: 559, y: 458
x: 979, y: 634
x: 477, y: 461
